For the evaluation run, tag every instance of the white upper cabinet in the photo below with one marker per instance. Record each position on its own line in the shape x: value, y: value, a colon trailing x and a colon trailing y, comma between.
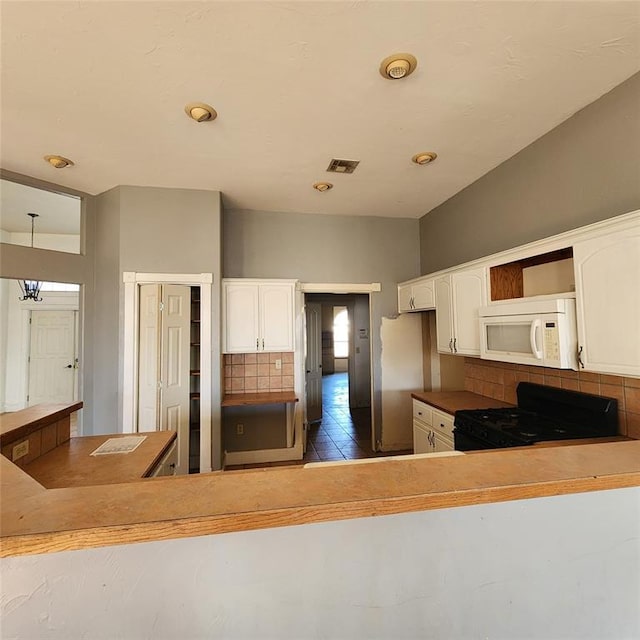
x: 258, y: 315
x: 276, y: 317
x: 416, y: 296
x: 405, y: 298
x: 423, y: 295
x: 458, y: 297
x: 444, y: 314
x: 607, y: 271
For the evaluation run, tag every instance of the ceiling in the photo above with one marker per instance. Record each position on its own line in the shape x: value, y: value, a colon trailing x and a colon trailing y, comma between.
x: 296, y: 84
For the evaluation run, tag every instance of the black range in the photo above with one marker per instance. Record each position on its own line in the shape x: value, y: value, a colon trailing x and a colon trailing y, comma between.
x: 543, y: 413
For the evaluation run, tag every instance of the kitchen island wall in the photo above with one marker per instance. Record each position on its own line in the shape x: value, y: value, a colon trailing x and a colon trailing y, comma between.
x: 537, y: 568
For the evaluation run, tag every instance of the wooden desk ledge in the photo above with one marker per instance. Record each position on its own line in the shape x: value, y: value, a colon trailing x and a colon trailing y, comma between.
x: 269, y: 397
x: 35, y: 520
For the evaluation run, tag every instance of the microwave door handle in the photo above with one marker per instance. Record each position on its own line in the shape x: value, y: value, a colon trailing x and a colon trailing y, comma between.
x: 535, y: 325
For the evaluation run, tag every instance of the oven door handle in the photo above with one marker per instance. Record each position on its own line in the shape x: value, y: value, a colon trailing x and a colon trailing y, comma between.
x: 535, y: 325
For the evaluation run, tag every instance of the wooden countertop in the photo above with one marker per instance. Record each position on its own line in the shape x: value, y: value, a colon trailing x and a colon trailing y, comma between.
x: 71, y: 465
x: 452, y: 401
x: 271, y: 397
x: 39, y: 520
x: 19, y: 424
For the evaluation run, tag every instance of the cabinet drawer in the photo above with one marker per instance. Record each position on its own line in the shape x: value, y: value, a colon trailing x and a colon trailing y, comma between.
x: 442, y: 423
x: 422, y: 412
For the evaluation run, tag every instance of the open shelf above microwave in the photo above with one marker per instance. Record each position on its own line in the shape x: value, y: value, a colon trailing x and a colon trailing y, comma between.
x: 544, y: 274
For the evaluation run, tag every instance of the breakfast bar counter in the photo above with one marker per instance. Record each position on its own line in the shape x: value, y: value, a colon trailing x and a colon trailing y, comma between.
x: 72, y: 465
x: 40, y: 520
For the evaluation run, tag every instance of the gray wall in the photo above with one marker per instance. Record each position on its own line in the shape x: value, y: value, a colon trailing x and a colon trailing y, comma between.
x: 530, y: 569
x: 149, y: 229
x: 585, y: 170
x: 318, y: 248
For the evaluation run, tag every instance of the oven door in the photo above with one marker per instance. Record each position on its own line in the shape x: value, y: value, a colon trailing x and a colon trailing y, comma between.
x: 512, y: 339
x: 466, y: 442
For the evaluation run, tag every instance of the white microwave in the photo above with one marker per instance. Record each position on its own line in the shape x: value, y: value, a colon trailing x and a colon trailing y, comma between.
x: 538, y: 331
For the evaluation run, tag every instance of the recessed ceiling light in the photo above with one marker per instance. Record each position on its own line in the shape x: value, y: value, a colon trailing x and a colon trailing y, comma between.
x: 398, y: 66
x: 200, y: 112
x: 424, y: 157
x: 322, y: 186
x: 58, y: 162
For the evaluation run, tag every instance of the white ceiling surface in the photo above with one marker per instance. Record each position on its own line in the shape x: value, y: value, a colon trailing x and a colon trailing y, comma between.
x: 56, y: 213
x: 296, y: 84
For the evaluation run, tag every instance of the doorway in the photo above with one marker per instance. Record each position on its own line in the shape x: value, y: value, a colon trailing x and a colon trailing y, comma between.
x: 199, y: 363
x: 40, y: 347
x: 338, y: 377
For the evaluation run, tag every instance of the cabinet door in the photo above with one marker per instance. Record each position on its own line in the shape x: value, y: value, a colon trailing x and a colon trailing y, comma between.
x: 276, y: 317
x: 240, y: 316
x: 404, y: 298
x: 423, y: 440
x: 441, y: 443
x: 444, y: 315
x: 469, y: 293
x: 607, y: 271
x: 423, y: 295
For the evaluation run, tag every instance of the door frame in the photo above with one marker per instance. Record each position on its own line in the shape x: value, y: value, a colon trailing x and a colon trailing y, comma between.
x: 204, y: 281
x: 347, y: 288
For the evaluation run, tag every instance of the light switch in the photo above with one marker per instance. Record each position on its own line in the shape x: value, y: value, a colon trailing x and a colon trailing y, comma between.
x: 279, y: 363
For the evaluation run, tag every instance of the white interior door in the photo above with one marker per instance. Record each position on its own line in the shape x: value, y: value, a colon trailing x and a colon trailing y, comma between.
x: 149, y: 357
x: 174, y: 394
x: 314, y: 361
x: 52, y: 357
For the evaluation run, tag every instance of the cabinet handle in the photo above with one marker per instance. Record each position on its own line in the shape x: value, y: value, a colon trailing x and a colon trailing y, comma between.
x: 263, y: 344
x: 580, y: 363
x: 455, y: 349
x: 257, y: 344
x: 450, y: 343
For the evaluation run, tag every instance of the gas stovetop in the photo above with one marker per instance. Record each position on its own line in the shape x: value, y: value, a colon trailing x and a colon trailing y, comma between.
x: 543, y: 413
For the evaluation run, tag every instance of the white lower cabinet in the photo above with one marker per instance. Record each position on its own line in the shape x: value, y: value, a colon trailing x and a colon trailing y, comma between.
x: 432, y: 429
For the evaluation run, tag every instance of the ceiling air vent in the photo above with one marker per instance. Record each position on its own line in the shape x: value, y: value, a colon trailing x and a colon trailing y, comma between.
x: 343, y: 166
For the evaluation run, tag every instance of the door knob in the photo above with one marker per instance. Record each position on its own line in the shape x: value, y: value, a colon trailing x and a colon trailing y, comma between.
x: 69, y: 366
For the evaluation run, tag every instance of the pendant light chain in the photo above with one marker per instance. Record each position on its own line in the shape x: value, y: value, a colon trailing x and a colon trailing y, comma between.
x: 31, y: 288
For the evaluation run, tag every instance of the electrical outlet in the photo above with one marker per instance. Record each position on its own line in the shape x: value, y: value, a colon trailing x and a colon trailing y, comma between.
x: 278, y: 363
x: 20, y: 451
x: 240, y: 429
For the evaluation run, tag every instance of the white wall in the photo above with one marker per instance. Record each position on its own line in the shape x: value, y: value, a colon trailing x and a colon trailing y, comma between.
x: 565, y: 568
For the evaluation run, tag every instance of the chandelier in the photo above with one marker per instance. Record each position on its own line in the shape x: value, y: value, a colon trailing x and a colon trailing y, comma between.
x: 31, y: 288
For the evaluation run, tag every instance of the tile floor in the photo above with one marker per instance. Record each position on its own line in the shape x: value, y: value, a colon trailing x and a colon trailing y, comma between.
x: 343, y: 433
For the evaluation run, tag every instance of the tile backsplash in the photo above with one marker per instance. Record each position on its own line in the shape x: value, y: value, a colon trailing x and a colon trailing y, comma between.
x: 499, y: 380
x: 257, y: 373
